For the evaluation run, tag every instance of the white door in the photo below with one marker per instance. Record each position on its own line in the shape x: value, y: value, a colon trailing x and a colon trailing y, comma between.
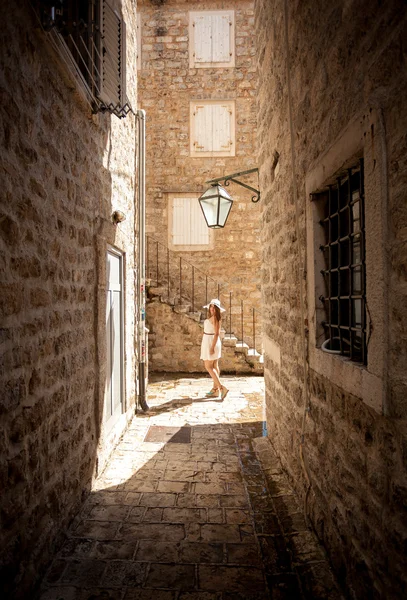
x: 114, y: 339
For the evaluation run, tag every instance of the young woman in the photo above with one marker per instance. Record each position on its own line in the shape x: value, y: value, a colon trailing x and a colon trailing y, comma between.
x: 211, y: 347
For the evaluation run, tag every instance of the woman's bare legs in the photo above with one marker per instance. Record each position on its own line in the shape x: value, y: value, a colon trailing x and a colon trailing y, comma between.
x: 223, y: 390
x: 213, y: 372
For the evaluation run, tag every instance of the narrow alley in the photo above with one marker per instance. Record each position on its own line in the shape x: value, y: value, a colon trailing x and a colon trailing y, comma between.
x: 159, y: 157
x: 193, y: 504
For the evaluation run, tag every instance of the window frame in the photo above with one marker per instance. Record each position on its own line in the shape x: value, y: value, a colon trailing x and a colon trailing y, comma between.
x: 194, y: 105
x: 186, y: 247
x: 193, y: 64
x: 109, y: 422
x: 344, y: 257
x: 364, y: 136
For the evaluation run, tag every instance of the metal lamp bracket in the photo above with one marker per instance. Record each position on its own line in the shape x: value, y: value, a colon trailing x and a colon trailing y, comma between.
x: 226, y: 179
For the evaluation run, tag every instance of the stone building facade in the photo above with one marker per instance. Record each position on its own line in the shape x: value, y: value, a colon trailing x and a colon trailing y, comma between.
x: 332, y: 122
x: 197, y: 82
x: 66, y: 396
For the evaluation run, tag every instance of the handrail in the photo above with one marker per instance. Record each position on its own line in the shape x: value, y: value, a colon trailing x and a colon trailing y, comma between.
x: 197, y: 287
x: 150, y: 237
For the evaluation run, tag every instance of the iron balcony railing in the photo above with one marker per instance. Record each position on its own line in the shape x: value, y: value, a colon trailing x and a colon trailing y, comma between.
x: 185, y: 284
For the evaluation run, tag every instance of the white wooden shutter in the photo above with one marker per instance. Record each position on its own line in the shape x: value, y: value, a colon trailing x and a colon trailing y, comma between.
x: 188, y: 224
x: 212, y: 128
x: 179, y: 218
x: 113, y: 57
x: 202, y: 38
x: 200, y: 235
x: 221, y: 46
x: 221, y: 128
x: 211, y: 39
x: 203, y: 128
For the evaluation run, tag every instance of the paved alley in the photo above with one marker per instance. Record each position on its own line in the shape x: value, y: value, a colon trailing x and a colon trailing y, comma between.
x: 192, y: 506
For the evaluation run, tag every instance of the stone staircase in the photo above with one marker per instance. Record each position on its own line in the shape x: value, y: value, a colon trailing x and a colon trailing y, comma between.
x: 237, y: 355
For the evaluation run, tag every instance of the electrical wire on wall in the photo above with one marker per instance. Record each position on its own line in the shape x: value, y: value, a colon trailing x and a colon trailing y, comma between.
x: 301, y: 265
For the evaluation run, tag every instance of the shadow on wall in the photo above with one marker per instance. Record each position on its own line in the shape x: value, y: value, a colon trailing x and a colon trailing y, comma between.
x: 54, y: 225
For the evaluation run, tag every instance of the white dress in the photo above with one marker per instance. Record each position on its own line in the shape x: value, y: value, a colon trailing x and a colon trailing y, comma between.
x: 207, y: 341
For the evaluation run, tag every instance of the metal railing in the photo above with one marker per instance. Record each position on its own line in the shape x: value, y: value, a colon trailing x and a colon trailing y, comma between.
x: 182, y: 283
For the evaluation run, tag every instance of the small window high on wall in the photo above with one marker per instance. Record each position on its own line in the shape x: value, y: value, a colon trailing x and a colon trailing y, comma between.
x: 212, y: 39
x: 213, y: 128
x: 187, y: 226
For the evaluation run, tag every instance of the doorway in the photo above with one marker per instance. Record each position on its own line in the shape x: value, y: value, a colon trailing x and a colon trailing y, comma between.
x: 114, y: 338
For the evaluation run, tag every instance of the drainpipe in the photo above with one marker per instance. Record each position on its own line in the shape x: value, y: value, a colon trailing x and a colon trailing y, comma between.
x: 141, y: 292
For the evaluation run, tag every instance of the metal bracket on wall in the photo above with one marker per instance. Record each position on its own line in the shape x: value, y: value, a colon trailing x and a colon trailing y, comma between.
x: 226, y: 179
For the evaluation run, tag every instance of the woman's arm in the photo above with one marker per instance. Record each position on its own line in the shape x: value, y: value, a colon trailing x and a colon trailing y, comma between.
x: 216, y: 336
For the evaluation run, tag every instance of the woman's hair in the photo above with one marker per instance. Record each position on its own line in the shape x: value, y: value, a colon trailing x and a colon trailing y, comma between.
x: 217, y: 313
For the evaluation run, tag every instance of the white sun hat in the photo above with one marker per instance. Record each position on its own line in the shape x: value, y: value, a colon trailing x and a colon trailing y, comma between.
x: 215, y: 302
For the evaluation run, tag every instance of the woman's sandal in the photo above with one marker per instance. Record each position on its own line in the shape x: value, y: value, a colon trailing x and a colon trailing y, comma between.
x: 224, y: 392
x: 213, y: 392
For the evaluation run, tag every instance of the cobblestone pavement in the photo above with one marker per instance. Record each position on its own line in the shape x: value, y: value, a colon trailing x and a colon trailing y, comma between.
x: 204, y: 514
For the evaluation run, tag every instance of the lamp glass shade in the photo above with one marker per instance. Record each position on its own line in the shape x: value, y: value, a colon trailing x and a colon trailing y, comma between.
x: 216, y: 204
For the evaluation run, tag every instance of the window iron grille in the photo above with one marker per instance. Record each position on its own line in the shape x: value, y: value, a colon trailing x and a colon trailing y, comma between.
x: 344, y: 273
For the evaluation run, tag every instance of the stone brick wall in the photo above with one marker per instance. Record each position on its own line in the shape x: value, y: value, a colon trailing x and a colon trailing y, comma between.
x: 345, y: 61
x: 166, y: 86
x: 64, y: 172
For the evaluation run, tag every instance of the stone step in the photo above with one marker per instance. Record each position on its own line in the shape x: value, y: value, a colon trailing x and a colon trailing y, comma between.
x: 158, y: 290
x: 196, y: 316
x: 242, y: 346
x: 182, y: 308
x: 253, y: 352
x: 229, y: 339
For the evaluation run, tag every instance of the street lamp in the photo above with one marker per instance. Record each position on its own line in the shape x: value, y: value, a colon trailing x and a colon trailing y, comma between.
x: 216, y: 202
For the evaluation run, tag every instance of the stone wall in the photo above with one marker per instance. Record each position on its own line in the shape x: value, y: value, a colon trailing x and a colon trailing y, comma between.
x: 166, y: 86
x: 64, y: 172
x: 345, y: 60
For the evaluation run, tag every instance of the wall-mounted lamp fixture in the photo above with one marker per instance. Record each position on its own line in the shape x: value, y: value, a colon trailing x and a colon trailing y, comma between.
x: 216, y: 202
x: 118, y: 217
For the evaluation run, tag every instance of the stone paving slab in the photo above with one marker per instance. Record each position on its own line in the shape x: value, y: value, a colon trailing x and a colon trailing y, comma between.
x: 212, y: 517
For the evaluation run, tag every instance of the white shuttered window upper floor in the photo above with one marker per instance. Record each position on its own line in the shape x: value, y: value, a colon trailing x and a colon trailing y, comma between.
x: 212, y: 39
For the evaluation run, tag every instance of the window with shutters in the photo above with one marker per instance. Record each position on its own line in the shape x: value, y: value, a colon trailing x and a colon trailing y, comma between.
x: 187, y: 227
x: 212, y: 39
x: 90, y: 36
x: 212, y: 128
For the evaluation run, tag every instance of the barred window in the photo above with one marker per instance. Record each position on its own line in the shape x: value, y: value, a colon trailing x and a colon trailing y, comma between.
x: 344, y: 274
